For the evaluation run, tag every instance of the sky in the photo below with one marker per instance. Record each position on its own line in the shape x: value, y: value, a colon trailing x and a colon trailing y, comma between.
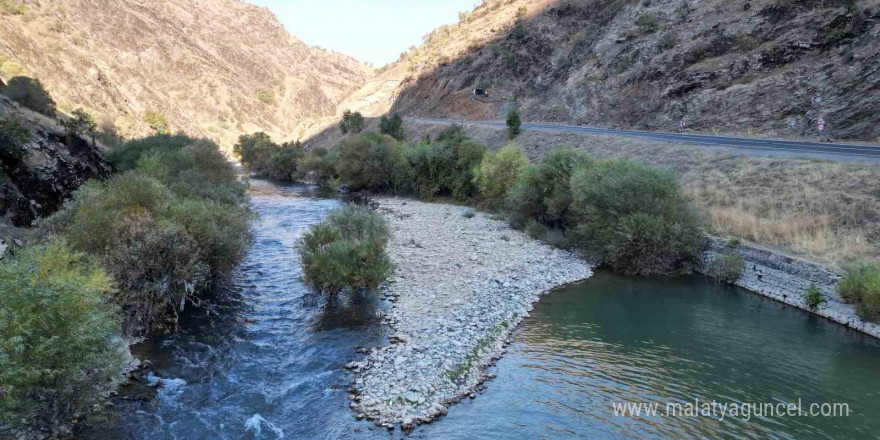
x: 374, y: 31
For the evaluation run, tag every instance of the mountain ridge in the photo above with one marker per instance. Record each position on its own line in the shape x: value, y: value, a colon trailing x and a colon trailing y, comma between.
x: 214, y: 68
x: 763, y: 68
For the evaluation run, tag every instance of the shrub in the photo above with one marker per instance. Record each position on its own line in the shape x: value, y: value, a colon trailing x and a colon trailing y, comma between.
x: 401, y: 172
x: 637, y: 219
x: 60, y: 352
x: 81, y: 125
x: 164, y: 231
x: 536, y: 230
x: 861, y: 285
x: 319, y: 165
x: 558, y: 238
x: 446, y: 167
x: 12, y: 7
x: 668, y: 40
x: 365, y: 161
x: 30, y: 93
x: 519, y: 30
x: 648, y: 23
x: 12, y: 136
x: 469, y: 214
x: 126, y: 157
x: 392, y: 126
x: 346, y: 251
x: 266, y: 96
x: 156, y: 121
x: 726, y: 267
x: 351, y: 122
x: 283, y: 163
x: 498, y: 172
x: 198, y: 170
x: 513, y: 123
x: 812, y: 297
x: 543, y: 192
x: 255, y: 150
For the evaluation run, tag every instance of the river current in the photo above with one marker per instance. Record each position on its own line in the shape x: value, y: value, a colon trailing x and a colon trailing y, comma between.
x: 267, y: 362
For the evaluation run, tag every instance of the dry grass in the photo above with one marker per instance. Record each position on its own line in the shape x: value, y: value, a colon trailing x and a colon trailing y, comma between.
x: 823, y: 210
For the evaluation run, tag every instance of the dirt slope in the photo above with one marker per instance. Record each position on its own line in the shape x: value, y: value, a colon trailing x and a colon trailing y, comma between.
x: 211, y: 67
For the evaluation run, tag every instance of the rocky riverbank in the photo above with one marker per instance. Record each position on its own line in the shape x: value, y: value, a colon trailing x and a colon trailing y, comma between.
x: 462, y: 283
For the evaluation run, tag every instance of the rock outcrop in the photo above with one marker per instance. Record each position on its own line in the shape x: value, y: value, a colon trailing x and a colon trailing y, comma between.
x: 39, y: 173
x: 751, y: 67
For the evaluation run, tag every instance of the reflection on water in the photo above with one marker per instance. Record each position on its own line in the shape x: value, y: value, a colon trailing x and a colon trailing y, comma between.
x: 269, y: 363
x: 613, y: 340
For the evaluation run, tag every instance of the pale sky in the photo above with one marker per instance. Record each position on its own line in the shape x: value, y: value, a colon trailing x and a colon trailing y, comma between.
x: 375, y: 31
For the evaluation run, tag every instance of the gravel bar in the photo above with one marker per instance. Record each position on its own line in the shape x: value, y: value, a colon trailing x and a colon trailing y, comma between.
x: 462, y: 283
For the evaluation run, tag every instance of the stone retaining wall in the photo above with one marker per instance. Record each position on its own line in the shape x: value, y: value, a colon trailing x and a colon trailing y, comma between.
x: 786, y: 279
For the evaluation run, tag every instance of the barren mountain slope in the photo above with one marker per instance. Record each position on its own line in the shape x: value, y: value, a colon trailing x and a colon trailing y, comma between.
x: 760, y: 67
x: 210, y: 67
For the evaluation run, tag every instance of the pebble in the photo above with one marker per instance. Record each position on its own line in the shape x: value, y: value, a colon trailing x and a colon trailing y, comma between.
x: 458, y: 295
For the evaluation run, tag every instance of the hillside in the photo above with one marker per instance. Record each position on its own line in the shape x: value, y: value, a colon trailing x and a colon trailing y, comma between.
x: 759, y: 67
x: 214, y: 68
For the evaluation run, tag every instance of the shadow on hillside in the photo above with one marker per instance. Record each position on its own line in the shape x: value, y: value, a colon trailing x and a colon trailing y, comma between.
x: 632, y: 64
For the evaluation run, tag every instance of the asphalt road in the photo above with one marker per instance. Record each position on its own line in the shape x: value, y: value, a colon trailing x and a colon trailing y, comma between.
x: 859, y: 153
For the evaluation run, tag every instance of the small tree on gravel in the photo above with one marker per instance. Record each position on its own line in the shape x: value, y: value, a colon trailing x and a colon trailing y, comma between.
x: 346, y: 252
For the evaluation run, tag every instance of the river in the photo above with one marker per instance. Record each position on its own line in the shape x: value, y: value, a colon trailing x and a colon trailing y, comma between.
x: 267, y: 363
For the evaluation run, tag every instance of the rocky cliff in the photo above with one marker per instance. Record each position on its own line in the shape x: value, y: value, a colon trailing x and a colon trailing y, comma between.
x: 215, y: 68
x: 750, y: 67
x: 41, y: 165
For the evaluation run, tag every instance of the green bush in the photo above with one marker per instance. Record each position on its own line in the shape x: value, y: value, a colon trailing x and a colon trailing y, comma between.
x: 318, y: 165
x: 30, y: 93
x: 13, y: 136
x: 156, y: 120
x: 401, y: 172
x: 638, y: 221
x: 648, y: 23
x: 445, y: 168
x: 12, y: 7
x: 60, y: 350
x: 283, y: 163
x: 164, y: 231
x: 861, y: 286
x: 543, y: 192
x: 513, y: 123
x: 351, y: 122
x: 392, y: 126
x: 365, y: 162
x: 346, y: 251
x: 126, y: 157
x: 266, y: 96
x: 498, y: 172
x: 255, y: 150
x: 812, y: 297
x: 726, y: 267
x: 80, y: 124
x: 536, y: 230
